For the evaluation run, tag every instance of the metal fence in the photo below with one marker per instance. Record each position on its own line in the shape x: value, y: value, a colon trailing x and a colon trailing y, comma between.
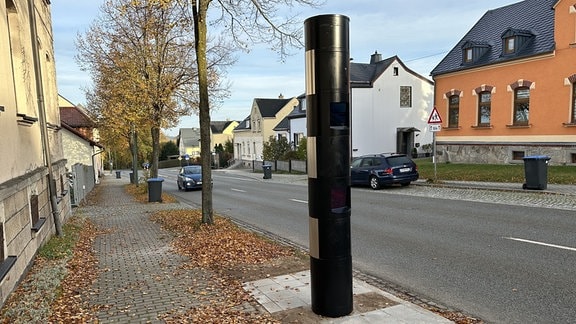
x: 81, y: 179
x: 286, y: 166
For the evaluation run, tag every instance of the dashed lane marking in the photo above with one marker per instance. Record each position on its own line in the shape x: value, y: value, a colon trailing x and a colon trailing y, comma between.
x: 541, y: 243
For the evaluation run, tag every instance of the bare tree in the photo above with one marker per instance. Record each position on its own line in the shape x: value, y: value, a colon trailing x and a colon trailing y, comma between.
x: 141, y: 55
x: 246, y: 22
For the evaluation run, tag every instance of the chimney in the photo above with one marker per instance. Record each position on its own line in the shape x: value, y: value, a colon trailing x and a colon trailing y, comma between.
x: 280, y: 96
x: 375, y: 58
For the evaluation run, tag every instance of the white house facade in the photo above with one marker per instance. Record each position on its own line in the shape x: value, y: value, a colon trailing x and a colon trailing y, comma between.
x: 297, y: 121
x: 80, y: 140
x: 390, y: 106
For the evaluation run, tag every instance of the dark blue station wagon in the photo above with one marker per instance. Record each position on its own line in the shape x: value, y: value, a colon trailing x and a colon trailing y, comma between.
x: 190, y: 177
x: 379, y: 170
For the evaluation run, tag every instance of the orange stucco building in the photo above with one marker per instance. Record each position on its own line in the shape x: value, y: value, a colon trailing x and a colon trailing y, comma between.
x: 508, y: 88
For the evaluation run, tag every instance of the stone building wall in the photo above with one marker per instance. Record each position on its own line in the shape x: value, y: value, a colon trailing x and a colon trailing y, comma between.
x: 23, y: 237
x: 504, y: 154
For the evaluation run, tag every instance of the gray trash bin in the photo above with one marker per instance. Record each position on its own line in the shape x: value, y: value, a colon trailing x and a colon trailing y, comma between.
x: 155, y: 189
x: 132, y: 178
x: 536, y: 172
x: 267, y: 168
x: 118, y: 175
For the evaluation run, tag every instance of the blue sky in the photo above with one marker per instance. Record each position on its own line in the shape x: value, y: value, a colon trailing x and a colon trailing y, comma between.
x: 420, y: 32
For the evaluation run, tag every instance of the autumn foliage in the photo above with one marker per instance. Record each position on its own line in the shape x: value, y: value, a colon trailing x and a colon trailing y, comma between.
x: 220, y: 247
x: 217, y: 246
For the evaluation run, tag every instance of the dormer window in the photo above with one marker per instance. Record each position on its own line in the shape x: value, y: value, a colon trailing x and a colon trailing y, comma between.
x: 468, y: 57
x: 473, y: 51
x: 513, y: 40
x: 509, y: 45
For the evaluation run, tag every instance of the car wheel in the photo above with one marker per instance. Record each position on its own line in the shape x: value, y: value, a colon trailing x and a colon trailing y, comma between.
x: 179, y: 188
x: 374, y: 183
x: 404, y: 184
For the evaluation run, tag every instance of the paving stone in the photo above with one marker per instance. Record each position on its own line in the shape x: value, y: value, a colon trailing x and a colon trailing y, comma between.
x: 142, y: 276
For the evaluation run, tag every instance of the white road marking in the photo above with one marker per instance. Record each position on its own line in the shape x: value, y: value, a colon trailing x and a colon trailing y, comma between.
x: 299, y: 201
x: 239, y: 190
x: 541, y: 243
x: 238, y: 178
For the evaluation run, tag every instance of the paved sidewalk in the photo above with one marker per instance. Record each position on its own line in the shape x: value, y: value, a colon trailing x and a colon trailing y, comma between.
x: 517, y: 187
x: 142, y: 278
x: 292, y: 292
x: 551, y: 188
x: 141, y: 275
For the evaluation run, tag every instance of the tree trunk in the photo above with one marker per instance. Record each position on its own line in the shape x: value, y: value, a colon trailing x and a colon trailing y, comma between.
x: 155, y: 131
x: 200, y: 28
x: 134, y: 139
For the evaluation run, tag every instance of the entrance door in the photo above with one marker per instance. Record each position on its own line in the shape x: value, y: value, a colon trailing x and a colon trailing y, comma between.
x: 405, y: 140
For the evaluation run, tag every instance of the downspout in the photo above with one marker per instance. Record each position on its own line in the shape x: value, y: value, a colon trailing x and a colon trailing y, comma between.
x: 42, y: 118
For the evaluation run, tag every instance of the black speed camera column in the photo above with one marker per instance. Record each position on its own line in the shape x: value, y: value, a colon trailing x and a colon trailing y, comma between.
x: 328, y: 124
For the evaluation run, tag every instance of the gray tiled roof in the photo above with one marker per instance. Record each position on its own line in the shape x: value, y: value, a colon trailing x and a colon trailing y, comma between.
x: 364, y: 73
x: 218, y: 127
x: 533, y: 16
x: 244, y: 125
x: 270, y: 107
x: 296, y: 113
x: 283, y: 125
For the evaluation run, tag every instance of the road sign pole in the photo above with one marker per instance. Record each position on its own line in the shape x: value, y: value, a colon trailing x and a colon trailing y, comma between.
x: 434, y: 154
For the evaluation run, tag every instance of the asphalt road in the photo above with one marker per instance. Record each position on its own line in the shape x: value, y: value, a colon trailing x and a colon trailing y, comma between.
x: 501, y: 263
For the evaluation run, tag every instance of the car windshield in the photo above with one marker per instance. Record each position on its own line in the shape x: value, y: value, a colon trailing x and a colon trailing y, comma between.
x: 356, y: 162
x: 192, y: 170
x: 398, y: 160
